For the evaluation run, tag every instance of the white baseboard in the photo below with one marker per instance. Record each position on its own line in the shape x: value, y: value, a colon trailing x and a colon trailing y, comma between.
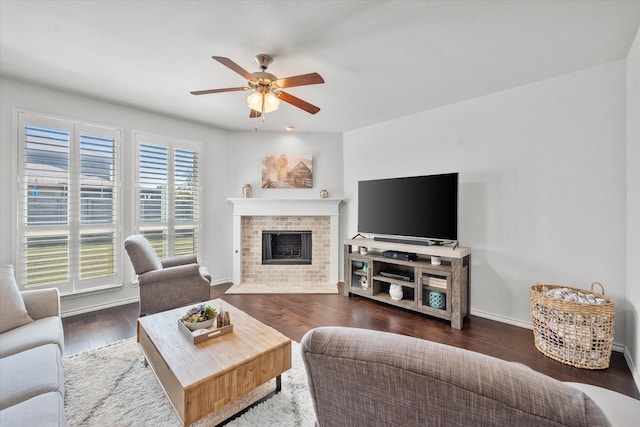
x: 501, y: 319
x: 97, y: 307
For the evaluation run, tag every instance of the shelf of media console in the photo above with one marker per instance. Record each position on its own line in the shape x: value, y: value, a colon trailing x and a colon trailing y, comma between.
x: 405, y: 283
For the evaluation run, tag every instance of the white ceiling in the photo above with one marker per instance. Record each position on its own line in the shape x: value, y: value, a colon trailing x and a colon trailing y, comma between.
x: 380, y: 59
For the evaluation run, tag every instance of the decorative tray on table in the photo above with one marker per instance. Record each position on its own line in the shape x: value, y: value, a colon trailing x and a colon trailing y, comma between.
x: 204, y: 322
x: 200, y: 335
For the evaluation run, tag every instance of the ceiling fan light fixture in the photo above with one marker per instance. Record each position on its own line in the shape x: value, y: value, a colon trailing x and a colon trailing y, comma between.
x: 263, y: 103
x: 255, y: 101
x: 271, y: 101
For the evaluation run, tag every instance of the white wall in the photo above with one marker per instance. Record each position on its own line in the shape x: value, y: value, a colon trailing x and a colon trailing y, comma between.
x: 215, y: 175
x: 542, y: 183
x: 247, y: 149
x: 633, y: 207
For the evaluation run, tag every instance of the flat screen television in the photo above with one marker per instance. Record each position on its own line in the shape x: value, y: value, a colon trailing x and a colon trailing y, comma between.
x: 422, y: 207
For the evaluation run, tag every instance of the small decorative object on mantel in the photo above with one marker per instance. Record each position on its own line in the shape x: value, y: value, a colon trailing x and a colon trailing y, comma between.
x: 246, y: 191
x: 324, y: 194
x: 198, y: 323
x: 364, y: 250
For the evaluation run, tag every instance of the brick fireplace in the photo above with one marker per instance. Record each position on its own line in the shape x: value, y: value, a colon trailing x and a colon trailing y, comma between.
x: 319, y: 218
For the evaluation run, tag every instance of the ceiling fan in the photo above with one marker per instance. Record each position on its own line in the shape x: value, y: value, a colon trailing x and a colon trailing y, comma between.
x: 267, y: 88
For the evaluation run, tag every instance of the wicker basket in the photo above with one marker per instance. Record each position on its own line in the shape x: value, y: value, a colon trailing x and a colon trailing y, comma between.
x: 575, y: 333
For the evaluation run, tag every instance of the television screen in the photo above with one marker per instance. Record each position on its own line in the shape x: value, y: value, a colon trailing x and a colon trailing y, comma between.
x: 425, y: 207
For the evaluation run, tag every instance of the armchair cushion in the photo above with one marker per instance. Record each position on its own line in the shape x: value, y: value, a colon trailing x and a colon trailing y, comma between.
x: 142, y: 255
x: 13, y: 312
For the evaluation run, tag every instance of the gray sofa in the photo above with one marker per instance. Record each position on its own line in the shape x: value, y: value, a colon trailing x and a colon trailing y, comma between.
x: 31, y: 349
x: 169, y: 283
x: 361, y: 377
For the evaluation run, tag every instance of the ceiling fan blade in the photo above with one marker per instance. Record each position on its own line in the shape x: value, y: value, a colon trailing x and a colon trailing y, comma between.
x: 228, y: 89
x: 301, y: 80
x: 235, y: 67
x: 297, y: 102
x: 253, y: 114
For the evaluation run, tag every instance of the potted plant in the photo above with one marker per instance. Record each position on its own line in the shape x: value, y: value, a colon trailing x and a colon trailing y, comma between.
x: 199, y: 317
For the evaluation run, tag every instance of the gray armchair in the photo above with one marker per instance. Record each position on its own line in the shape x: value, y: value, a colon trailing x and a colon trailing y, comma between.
x: 168, y: 283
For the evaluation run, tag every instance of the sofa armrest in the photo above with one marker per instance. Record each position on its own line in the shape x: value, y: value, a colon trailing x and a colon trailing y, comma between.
x: 169, y: 274
x: 41, y: 303
x: 620, y: 409
x: 181, y: 260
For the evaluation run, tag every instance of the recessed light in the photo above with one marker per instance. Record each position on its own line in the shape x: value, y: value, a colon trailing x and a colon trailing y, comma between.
x: 289, y: 128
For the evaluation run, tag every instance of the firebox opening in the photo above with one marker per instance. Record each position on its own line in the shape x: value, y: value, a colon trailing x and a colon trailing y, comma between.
x: 286, y: 247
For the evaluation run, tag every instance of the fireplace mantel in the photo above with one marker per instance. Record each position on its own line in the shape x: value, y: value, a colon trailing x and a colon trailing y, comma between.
x: 285, y: 207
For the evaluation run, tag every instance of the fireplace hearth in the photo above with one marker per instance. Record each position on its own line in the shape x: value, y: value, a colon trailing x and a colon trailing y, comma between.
x: 286, y: 247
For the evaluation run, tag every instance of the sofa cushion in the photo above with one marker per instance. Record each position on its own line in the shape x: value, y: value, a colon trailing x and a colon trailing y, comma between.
x: 43, y: 410
x: 30, y: 373
x: 13, y: 313
x: 43, y: 331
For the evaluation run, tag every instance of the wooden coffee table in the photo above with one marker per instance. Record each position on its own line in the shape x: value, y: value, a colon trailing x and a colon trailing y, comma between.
x: 202, y: 378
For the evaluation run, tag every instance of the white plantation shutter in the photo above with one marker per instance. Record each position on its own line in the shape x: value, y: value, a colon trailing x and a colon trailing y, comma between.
x: 69, y: 211
x: 44, y: 187
x: 186, y: 201
x: 98, y: 206
x: 153, y: 182
x: 168, y: 194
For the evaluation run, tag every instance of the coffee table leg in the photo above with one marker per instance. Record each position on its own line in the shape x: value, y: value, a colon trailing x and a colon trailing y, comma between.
x: 278, y: 384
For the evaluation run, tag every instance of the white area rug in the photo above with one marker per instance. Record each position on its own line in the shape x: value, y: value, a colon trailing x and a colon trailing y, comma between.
x: 283, y: 288
x: 111, y: 386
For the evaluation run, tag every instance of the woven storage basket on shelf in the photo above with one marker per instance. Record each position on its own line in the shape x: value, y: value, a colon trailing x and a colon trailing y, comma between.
x: 575, y: 333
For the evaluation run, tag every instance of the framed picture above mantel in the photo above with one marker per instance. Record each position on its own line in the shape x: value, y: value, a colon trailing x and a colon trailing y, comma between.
x: 287, y: 171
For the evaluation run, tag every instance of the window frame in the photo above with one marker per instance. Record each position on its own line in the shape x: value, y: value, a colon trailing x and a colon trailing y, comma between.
x: 172, y: 225
x: 74, y: 226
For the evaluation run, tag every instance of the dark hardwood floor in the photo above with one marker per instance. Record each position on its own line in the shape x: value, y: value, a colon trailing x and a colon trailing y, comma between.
x: 295, y: 314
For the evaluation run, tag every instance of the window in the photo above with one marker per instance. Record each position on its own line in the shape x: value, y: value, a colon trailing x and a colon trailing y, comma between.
x: 168, y: 194
x: 68, y: 204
